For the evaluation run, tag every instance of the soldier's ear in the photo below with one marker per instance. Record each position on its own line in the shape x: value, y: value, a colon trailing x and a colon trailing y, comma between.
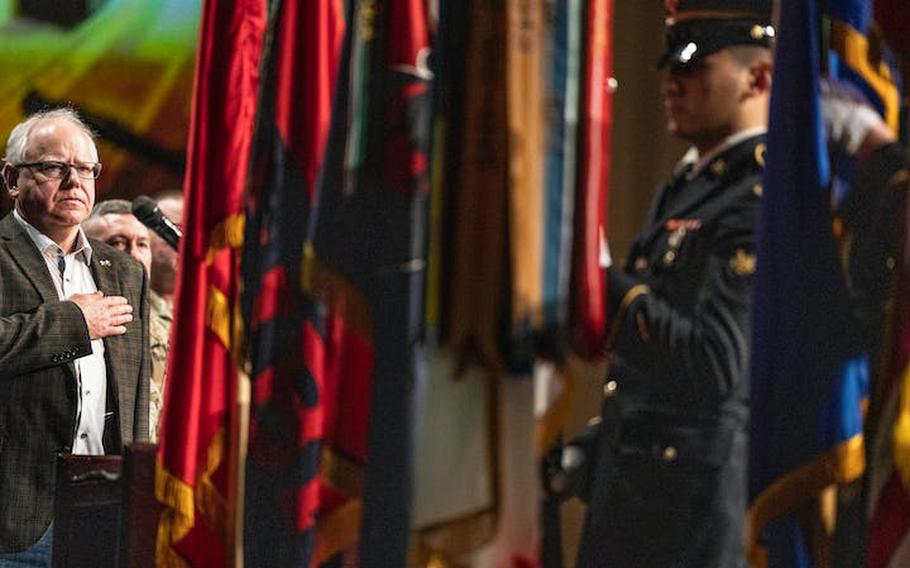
x: 760, y: 76
x: 11, y: 179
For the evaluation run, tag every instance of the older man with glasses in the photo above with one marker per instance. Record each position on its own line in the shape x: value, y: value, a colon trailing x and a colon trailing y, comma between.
x: 74, y: 345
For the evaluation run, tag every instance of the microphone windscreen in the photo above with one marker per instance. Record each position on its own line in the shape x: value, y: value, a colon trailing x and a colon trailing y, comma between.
x: 144, y: 208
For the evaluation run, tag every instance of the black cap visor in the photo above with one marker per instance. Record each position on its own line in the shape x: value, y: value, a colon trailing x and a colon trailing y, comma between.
x: 689, y: 41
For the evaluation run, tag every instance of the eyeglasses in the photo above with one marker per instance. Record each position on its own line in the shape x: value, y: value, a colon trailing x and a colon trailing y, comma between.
x: 59, y: 170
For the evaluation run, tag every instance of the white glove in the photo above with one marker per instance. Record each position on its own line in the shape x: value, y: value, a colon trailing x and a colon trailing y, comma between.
x: 847, y: 116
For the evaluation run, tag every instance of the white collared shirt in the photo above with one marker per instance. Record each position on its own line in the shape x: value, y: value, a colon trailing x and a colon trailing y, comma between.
x: 701, y: 162
x: 91, y: 371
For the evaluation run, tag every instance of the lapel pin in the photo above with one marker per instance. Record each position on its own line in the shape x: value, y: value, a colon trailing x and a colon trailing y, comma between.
x: 104, y: 262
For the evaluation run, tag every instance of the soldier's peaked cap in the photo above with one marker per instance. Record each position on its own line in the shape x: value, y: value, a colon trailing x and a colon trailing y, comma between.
x: 696, y: 28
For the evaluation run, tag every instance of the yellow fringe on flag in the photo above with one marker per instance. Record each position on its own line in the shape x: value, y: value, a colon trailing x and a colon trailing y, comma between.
x: 226, y: 322
x: 218, y: 316
x: 842, y: 464
x: 854, y: 48
x: 181, y: 501
x: 226, y: 234
x: 176, y: 520
x: 211, y: 503
x: 338, y: 532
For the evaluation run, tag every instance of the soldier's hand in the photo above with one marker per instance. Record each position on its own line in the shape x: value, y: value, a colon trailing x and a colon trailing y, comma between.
x: 851, y: 124
x: 565, y: 472
x: 104, y: 315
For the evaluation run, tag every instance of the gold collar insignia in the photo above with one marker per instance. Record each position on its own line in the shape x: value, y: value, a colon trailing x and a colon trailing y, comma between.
x: 743, y: 263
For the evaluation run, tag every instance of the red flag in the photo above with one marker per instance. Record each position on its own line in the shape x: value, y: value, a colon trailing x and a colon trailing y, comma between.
x: 589, y: 289
x: 195, y: 479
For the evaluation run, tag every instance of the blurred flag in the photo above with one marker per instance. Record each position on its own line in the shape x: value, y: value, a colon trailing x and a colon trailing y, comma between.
x: 563, y: 56
x: 526, y: 206
x: 197, y: 474
x: 809, y: 373
x: 888, y: 488
x: 522, y: 89
x: 889, y: 468
x: 455, y: 484
x: 590, y: 285
x: 474, y: 308
x: 364, y: 261
x: 859, y: 57
x: 303, y: 476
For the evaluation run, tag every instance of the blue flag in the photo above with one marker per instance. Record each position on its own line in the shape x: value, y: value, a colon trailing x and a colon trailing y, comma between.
x: 809, y: 372
x: 859, y: 59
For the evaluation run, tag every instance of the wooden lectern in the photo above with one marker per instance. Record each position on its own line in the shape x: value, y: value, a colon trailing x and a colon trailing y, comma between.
x: 105, y: 514
x: 140, y: 511
x: 87, y: 511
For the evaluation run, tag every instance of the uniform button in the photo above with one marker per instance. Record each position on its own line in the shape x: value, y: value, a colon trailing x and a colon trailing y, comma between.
x: 641, y: 264
x: 890, y: 263
x: 83, y: 436
x: 669, y: 257
x: 610, y: 389
x: 670, y: 454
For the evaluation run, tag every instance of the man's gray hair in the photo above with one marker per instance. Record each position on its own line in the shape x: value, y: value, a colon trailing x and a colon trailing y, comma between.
x: 106, y: 207
x: 112, y: 207
x: 17, y: 144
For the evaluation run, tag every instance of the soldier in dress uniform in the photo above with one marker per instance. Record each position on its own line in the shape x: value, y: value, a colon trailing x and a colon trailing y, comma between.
x: 665, y: 463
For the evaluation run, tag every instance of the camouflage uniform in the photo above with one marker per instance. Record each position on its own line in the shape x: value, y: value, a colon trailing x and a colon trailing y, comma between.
x: 161, y: 316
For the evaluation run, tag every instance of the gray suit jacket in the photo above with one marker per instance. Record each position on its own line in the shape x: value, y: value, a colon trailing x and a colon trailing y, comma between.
x: 40, y: 337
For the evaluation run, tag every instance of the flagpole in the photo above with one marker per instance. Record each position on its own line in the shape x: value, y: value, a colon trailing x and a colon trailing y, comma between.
x: 240, y: 435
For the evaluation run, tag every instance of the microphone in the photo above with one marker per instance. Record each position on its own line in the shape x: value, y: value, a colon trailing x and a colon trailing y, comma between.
x: 146, y: 210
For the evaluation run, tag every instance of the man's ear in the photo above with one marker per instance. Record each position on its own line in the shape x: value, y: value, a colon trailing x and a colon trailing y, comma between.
x: 11, y: 179
x: 760, y: 77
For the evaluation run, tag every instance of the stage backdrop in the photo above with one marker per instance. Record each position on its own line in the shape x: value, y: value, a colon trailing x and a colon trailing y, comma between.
x: 126, y: 65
